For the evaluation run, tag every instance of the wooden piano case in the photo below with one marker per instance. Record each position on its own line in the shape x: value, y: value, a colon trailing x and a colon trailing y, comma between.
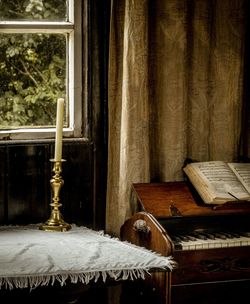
x: 211, y: 275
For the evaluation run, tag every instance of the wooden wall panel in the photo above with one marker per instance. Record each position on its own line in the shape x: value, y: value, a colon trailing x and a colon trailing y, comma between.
x: 25, y: 173
x: 27, y: 190
x: 77, y: 191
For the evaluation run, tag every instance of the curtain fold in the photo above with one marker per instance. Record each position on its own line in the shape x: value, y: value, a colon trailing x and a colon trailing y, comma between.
x: 128, y: 148
x: 175, y: 91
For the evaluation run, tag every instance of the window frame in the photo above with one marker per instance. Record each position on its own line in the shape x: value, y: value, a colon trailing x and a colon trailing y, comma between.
x: 74, y: 28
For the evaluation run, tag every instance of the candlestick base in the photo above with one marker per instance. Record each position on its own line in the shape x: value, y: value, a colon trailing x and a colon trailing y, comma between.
x: 55, y: 221
x: 61, y: 228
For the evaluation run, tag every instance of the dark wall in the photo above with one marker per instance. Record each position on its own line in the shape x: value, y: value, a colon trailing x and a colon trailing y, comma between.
x: 25, y: 183
x: 25, y: 169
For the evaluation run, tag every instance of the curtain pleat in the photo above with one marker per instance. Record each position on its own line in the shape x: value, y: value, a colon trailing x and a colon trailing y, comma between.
x: 128, y: 150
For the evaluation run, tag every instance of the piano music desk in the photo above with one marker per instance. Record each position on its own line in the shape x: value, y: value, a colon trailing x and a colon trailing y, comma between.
x: 211, y: 245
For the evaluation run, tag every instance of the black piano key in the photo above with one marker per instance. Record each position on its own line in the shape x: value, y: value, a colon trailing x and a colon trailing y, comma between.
x: 245, y: 233
x: 191, y: 238
x: 183, y: 238
x: 200, y: 236
x: 210, y: 236
x: 235, y: 235
x: 176, y: 239
x: 227, y: 235
x: 220, y: 236
x: 187, y: 238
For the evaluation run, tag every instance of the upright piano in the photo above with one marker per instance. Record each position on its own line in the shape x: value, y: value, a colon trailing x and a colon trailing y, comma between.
x: 210, y: 243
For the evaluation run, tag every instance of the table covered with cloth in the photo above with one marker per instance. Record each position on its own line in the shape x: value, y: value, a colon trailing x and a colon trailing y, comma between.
x: 30, y: 257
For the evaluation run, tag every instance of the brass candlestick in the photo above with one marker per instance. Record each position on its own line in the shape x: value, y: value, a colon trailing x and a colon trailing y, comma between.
x: 56, y: 222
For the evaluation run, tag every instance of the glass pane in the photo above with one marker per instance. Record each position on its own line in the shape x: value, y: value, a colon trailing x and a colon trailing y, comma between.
x: 42, y: 10
x: 32, y: 77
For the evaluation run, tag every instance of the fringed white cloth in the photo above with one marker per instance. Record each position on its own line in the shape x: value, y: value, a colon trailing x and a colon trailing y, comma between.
x: 30, y: 257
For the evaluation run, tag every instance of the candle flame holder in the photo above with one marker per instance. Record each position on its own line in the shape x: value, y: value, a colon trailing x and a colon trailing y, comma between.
x: 55, y: 221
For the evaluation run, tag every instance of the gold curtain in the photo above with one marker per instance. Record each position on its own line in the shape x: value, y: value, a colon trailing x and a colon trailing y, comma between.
x: 175, y: 91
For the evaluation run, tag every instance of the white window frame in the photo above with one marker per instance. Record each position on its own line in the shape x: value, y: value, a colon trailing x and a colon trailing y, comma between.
x: 73, y: 27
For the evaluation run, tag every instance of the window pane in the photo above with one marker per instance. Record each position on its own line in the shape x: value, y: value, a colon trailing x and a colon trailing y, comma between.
x: 47, y: 10
x: 32, y: 77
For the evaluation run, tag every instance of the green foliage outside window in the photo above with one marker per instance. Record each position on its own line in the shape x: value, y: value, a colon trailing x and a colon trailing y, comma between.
x: 32, y: 66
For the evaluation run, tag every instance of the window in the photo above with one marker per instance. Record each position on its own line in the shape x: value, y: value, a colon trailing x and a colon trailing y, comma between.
x: 40, y: 41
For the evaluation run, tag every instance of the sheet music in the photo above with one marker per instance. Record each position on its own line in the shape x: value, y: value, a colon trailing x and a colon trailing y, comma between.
x: 222, y: 180
x: 242, y: 171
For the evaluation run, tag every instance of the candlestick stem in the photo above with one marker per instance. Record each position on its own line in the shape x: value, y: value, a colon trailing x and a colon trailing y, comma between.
x: 56, y: 222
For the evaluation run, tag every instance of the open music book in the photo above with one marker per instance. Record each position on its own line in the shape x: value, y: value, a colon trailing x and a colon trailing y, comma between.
x: 218, y: 182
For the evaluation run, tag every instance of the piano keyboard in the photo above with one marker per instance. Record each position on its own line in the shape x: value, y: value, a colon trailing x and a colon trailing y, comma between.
x: 209, y: 240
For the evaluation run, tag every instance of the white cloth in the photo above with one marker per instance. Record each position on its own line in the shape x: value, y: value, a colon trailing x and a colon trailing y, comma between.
x: 30, y: 257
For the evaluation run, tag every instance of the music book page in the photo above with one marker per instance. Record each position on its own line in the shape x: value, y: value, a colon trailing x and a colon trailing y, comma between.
x: 217, y: 182
x: 242, y: 171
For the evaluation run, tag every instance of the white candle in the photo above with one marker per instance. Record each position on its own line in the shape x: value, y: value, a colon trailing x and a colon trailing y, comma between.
x: 59, y: 129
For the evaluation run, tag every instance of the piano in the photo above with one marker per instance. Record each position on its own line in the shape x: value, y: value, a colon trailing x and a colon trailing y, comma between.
x: 210, y: 243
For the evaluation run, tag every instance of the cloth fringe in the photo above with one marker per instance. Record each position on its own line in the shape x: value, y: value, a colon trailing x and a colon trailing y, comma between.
x: 85, y: 278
